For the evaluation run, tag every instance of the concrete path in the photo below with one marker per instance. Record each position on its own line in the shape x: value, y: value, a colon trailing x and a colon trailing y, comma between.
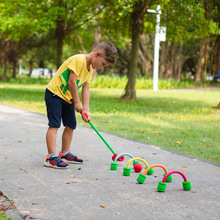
x: 91, y: 190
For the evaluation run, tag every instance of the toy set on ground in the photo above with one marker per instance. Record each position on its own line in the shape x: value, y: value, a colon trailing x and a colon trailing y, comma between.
x: 138, y: 167
x: 149, y: 171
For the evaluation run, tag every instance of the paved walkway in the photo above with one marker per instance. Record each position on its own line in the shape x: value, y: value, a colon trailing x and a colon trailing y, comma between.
x: 91, y: 190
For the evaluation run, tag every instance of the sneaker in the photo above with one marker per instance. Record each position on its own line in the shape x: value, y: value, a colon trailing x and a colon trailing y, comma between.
x: 70, y: 158
x: 55, y: 162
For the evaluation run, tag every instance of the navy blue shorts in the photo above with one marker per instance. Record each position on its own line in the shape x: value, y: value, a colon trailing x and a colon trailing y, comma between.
x: 58, y: 109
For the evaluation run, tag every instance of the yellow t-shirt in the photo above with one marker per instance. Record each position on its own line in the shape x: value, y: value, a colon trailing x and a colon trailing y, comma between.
x: 59, y: 84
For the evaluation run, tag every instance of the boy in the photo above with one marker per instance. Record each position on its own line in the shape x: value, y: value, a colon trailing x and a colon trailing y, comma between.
x: 61, y: 93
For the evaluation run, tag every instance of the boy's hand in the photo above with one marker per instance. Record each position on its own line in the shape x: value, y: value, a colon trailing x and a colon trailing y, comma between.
x: 78, y: 107
x: 86, y: 116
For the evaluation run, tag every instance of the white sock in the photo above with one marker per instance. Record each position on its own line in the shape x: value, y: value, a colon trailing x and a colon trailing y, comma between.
x: 65, y: 152
x: 53, y: 155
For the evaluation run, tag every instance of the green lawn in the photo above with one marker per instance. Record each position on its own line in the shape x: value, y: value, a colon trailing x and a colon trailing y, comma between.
x: 179, y: 120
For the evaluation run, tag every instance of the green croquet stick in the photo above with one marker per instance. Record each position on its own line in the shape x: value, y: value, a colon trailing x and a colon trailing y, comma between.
x: 95, y: 129
x: 92, y: 125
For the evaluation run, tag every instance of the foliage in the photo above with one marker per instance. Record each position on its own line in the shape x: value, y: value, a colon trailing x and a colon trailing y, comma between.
x: 33, y: 25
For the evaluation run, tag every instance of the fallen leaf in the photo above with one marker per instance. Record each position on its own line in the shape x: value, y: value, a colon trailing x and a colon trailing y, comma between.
x: 102, y: 206
x: 157, y: 134
x: 117, y: 213
x: 184, y: 166
x: 74, y: 182
x: 178, y: 142
x: 185, y: 206
x: 37, y: 173
x: 7, y: 144
x: 71, y: 175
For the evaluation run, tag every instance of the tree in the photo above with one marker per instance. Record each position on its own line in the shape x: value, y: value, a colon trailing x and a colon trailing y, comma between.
x: 137, y: 20
x: 40, y: 17
x: 133, y: 11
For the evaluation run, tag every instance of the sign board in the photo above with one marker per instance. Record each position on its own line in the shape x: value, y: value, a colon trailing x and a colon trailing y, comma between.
x: 163, y: 33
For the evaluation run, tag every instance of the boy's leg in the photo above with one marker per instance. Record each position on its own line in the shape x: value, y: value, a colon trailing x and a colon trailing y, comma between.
x: 54, y: 113
x: 67, y: 138
x: 53, y: 160
x: 69, y: 121
x: 51, y: 137
x: 66, y: 155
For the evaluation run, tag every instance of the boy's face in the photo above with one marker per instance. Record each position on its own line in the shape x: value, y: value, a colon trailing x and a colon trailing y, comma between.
x: 99, y: 62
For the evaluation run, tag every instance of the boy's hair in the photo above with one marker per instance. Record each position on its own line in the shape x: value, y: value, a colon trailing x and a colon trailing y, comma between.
x: 110, y: 51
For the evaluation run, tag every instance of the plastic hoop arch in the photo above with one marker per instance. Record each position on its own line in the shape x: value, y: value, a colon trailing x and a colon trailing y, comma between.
x: 155, y: 165
x: 162, y: 185
x: 122, y: 154
x: 142, y: 177
x: 127, y: 169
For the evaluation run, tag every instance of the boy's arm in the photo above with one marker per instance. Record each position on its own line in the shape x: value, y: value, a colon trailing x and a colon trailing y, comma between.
x: 74, y: 91
x: 85, y: 101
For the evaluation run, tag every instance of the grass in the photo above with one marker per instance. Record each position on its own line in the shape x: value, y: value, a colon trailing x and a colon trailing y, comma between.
x: 183, y: 121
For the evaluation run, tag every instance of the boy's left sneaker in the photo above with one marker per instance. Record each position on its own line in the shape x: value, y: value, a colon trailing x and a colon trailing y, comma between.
x: 70, y: 158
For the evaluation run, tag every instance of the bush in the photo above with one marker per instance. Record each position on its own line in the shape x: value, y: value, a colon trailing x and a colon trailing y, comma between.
x: 107, y: 81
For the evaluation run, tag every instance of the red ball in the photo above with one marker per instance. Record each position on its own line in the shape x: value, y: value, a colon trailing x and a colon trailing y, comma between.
x: 137, y: 167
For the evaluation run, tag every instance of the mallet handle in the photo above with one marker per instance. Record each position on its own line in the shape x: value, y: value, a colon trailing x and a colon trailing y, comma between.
x: 95, y: 129
x: 101, y: 137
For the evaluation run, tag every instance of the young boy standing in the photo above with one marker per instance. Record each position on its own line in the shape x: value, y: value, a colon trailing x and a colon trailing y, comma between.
x: 62, y: 92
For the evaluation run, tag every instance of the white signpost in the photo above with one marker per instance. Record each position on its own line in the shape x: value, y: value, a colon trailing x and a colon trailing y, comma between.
x: 160, y: 35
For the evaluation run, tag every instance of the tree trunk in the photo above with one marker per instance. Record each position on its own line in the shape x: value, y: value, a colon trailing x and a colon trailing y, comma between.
x: 179, y: 62
x: 163, y: 59
x: 14, y: 68
x: 130, y: 92
x: 198, y: 74
x: 30, y: 67
x: 146, y: 59
x: 4, y: 77
x: 170, y: 61
x: 217, y: 62
x: 137, y: 17
x: 206, y: 59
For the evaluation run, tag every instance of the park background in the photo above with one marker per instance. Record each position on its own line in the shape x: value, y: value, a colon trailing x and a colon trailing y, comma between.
x: 36, y: 36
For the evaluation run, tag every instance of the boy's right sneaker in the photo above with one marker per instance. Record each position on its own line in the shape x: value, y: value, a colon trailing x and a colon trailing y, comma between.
x: 55, y: 162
